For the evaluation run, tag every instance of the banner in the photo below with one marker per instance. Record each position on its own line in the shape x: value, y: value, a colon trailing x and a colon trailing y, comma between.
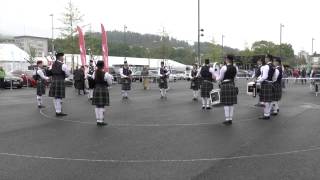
x: 82, y: 47
x: 105, y: 51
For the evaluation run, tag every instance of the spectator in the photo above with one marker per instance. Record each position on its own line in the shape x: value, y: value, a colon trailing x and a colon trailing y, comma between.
x: 295, y: 74
x: 303, y: 75
x: 79, y: 79
x: 2, y: 75
x: 145, y: 74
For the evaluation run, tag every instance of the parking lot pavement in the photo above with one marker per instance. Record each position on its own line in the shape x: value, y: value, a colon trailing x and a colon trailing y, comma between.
x: 149, y: 138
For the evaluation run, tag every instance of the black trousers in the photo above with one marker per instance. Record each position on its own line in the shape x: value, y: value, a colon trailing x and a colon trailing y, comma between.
x: 1, y: 82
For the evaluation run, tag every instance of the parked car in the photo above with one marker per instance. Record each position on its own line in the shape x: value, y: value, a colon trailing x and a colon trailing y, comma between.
x: 12, y: 80
x: 27, y: 77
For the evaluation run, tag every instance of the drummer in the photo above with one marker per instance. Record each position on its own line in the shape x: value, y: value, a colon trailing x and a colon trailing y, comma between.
x: 228, y: 92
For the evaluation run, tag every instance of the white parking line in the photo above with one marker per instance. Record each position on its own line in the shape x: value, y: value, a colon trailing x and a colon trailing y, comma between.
x: 309, y: 149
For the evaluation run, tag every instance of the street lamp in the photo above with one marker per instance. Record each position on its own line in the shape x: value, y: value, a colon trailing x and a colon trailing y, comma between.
x: 222, y: 47
x: 312, y: 47
x: 52, y: 29
x: 281, y: 26
x: 125, y: 40
x: 200, y: 33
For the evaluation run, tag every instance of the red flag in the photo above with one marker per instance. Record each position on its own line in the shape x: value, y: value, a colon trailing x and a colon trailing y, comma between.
x: 105, y: 50
x: 82, y: 47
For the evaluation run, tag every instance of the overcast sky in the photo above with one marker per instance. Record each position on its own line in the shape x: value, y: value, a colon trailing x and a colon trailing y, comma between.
x: 241, y: 21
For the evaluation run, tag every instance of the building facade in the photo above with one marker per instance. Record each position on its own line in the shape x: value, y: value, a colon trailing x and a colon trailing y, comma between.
x: 32, y: 43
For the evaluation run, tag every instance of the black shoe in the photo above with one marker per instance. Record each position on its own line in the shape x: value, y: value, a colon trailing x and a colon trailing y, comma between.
x: 61, y: 114
x: 203, y: 107
x: 229, y: 122
x: 40, y: 106
x: 274, y: 114
x: 208, y: 108
x: 101, y: 124
x: 264, y: 117
x: 278, y: 110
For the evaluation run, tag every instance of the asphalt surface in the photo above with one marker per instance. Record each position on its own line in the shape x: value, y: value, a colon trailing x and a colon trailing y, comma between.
x: 149, y: 138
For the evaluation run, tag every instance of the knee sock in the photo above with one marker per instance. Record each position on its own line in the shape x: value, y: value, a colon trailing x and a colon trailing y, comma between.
x: 58, y: 105
x: 267, y: 108
x: 97, y: 114
x: 204, y: 102
x: 226, y: 113
x: 39, y: 100
x: 208, y: 102
x: 231, y: 109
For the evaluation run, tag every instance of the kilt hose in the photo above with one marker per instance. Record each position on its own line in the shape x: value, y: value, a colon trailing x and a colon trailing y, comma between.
x: 195, y: 84
x: 277, y: 91
x: 266, y: 92
x: 100, y: 96
x: 57, y: 89
x: 41, y: 87
x: 206, y: 88
x: 163, y: 83
x: 125, y: 84
x: 228, y: 94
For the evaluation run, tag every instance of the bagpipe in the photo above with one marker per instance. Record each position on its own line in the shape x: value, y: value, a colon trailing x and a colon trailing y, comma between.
x: 253, y: 88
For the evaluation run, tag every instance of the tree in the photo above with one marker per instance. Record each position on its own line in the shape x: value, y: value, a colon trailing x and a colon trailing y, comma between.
x: 32, y: 55
x: 70, y: 19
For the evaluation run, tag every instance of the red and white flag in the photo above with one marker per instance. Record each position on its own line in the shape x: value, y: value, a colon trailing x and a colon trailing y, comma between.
x: 105, y: 50
x: 82, y: 47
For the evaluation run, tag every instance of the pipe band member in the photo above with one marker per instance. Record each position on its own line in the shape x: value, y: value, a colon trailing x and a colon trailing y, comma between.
x: 206, y: 73
x: 59, y: 71
x: 125, y: 74
x: 277, y: 85
x: 40, y: 77
x: 100, y: 99
x: 266, y: 92
x: 257, y: 74
x: 90, y: 79
x: 163, y: 81
x: 195, y: 82
x: 228, y: 91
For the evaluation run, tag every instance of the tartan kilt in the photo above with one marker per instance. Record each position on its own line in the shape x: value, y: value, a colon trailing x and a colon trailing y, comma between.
x: 100, y: 96
x: 228, y: 94
x: 195, y: 84
x: 266, y: 92
x: 125, y: 84
x: 91, y: 83
x: 277, y: 91
x: 79, y: 84
x: 206, y: 88
x: 57, y: 89
x: 41, y: 88
x: 163, y: 83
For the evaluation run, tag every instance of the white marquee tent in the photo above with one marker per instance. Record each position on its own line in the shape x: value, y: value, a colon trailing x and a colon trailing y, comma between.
x: 13, y: 58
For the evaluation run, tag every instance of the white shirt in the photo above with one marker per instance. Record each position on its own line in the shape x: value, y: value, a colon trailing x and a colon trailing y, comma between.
x: 223, y: 71
x: 107, y: 77
x: 264, y: 73
x: 210, y: 70
x: 40, y: 73
x: 159, y: 72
